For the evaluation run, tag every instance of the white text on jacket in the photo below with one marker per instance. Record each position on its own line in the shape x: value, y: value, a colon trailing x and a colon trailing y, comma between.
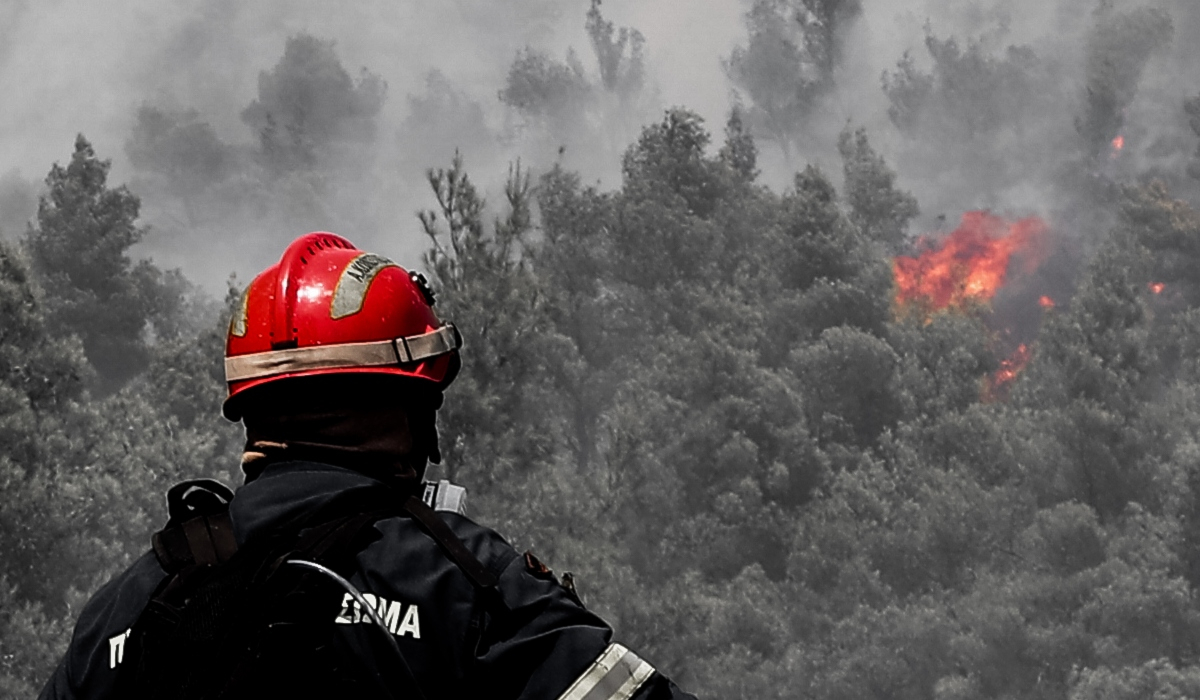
x: 390, y: 611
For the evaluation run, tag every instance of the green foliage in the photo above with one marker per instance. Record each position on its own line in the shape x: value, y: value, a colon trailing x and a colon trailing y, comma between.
x: 1158, y: 678
x: 823, y: 23
x: 540, y: 87
x: 488, y: 291
x: 581, y: 109
x: 93, y: 289
x: 49, y: 376
x: 82, y: 473
x: 1118, y: 51
x: 694, y: 393
x: 18, y: 203
x: 1192, y: 109
x: 880, y: 210
x: 41, y: 378
x: 669, y: 161
x: 846, y: 376
x: 619, y: 73
x: 28, y: 638
x: 788, y: 62
x: 775, y: 488
x: 969, y: 92
x: 740, y: 151
x: 443, y: 114
x: 308, y: 104
x: 179, y: 148
x: 941, y: 364
x: 562, y: 106
x: 180, y: 160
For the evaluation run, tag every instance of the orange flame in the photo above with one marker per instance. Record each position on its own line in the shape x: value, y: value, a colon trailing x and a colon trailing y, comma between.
x: 1046, y: 302
x: 1157, y: 287
x: 971, y: 263
x: 1118, y: 144
x: 1010, y: 368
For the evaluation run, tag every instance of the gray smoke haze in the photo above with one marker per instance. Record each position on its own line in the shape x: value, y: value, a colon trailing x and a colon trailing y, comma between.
x: 1019, y: 147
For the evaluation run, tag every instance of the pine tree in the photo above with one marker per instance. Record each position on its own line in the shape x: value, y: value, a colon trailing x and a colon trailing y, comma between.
x: 880, y: 210
x: 619, y: 73
x: 80, y: 251
x: 308, y: 105
x: 787, y: 65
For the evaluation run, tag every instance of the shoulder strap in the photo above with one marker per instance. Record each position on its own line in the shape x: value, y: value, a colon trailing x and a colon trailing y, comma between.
x: 207, y: 536
x: 188, y: 499
x: 441, y: 533
x: 198, y: 529
x: 332, y: 538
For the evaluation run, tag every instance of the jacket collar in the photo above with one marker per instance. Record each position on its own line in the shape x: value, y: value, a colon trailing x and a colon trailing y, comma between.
x: 288, y: 490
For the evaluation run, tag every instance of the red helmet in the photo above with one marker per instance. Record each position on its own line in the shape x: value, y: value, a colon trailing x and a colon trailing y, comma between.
x: 328, y: 308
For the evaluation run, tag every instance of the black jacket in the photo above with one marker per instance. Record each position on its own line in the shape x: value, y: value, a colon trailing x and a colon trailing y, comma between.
x: 532, y: 640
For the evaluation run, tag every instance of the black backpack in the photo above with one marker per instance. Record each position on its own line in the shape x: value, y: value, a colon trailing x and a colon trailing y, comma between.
x: 258, y: 621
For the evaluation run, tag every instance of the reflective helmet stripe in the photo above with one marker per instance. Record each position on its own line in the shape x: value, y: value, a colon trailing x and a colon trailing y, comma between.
x: 616, y: 675
x: 399, y: 351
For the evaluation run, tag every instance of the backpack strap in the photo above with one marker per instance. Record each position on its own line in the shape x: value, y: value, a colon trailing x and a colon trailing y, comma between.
x: 335, y: 538
x: 332, y: 538
x: 198, y: 530
x: 336, y: 535
x: 441, y: 533
x: 188, y: 499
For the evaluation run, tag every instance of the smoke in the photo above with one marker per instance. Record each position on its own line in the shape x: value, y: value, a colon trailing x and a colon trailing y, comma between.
x: 1000, y: 104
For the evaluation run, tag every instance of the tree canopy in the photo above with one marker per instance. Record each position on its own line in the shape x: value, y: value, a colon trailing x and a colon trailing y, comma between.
x: 699, y: 394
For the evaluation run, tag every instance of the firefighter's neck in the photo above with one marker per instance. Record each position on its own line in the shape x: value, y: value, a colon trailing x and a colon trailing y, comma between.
x: 377, y: 442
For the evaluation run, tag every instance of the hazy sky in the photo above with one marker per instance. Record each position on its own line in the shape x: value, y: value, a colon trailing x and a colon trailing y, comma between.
x: 73, y: 65
x: 69, y: 66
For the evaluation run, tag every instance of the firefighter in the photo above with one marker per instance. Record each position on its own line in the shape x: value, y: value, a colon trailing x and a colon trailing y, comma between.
x: 336, y: 365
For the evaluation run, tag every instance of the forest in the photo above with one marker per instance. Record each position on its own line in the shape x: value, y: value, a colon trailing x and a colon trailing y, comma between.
x: 792, y: 441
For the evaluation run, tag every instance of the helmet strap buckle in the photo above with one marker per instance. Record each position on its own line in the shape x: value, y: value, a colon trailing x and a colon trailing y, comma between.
x: 403, y: 352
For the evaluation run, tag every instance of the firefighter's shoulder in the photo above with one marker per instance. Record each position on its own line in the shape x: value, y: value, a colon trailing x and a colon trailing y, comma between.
x: 98, y: 642
x: 449, y: 501
x: 520, y: 579
x: 443, y: 539
x: 490, y: 561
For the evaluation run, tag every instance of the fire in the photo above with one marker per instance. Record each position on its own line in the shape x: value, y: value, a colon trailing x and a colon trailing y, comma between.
x: 1118, y: 144
x: 971, y: 263
x: 1046, y: 302
x: 1010, y: 368
x: 1157, y: 287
